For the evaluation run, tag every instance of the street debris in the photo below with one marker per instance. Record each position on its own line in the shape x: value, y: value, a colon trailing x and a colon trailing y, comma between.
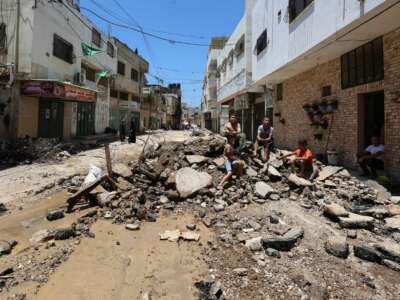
x: 268, y: 217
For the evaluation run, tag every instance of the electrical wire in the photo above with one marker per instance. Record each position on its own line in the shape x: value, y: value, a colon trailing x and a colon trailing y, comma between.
x: 171, y: 41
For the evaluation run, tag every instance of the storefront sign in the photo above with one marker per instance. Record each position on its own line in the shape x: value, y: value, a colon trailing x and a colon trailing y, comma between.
x: 52, y: 89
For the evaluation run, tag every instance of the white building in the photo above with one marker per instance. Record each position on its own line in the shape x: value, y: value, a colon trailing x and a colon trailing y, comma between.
x: 342, y: 53
x: 55, y: 92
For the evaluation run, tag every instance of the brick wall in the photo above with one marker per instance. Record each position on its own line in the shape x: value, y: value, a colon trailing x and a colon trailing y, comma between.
x: 345, y: 138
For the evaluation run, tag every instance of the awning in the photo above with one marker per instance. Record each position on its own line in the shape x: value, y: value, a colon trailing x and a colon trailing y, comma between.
x: 233, y: 96
x: 57, y: 89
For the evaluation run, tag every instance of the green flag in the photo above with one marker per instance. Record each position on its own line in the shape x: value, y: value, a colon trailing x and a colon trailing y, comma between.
x: 89, y: 51
x: 103, y: 73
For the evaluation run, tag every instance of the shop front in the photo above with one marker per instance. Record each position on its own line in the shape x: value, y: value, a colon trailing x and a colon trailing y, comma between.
x: 53, y: 109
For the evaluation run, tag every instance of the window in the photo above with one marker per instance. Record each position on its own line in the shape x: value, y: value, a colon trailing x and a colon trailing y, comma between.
x: 96, y: 37
x: 110, y: 49
x: 123, y: 96
x: 279, y: 92
x: 261, y: 42
x: 63, y: 49
x: 296, y: 7
x: 135, y: 98
x: 134, y: 75
x: 113, y: 93
x: 121, y: 68
x: 326, y: 91
x: 239, y: 47
x: 3, y: 36
x: 363, y: 65
x: 90, y: 74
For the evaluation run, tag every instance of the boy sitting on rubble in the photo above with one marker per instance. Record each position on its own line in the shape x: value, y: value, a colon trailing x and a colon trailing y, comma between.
x: 303, y: 158
x: 232, y: 165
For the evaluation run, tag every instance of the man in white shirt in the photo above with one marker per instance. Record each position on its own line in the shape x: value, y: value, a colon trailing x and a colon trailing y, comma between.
x: 373, y: 157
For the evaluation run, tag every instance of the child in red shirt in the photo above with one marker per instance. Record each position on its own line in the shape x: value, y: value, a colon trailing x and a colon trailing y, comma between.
x: 303, y: 159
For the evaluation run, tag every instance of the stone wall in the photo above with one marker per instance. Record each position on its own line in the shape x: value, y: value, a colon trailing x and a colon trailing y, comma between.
x: 345, y: 131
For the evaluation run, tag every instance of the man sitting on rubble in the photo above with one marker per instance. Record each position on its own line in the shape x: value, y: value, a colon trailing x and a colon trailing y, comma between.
x: 233, y: 133
x: 265, y: 138
x: 373, y: 158
x: 302, y: 157
x: 232, y: 165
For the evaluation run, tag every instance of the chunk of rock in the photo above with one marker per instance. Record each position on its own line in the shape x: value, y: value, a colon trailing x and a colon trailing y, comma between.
x: 170, y: 235
x: 263, y: 190
x: 391, y: 265
x: 368, y: 253
x: 285, y: 242
x: 298, y: 181
x: 195, y: 159
x: 273, y: 252
x: 219, y: 162
x: 190, y: 236
x: 337, y: 246
x: 191, y: 227
x: 274, y: 161
x: 395, y: 199
x: 251, y: 172
x: 5, y: 247
x: 274, y: 173
x: 55, y: 215
x: 42, y: 236
x: 133, y: 227
x: 189, y: 181
x: 64, y: 234
x: 354, y: 221
x: 335, y: 211
x: 393, y: 224
x: 105, y: 198
x: 389, y: 251
x: 394, y: 210
x: 254, y: 244
x: 327, y: 172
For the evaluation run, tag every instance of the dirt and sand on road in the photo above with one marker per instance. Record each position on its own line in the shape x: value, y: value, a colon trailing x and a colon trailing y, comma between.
x: 267, y: 235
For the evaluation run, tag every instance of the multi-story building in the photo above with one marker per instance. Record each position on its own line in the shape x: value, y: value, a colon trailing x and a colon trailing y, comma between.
x: 172, y: 102
x: 52, y: 89
x: 126, y: 87
x: 210, y: 118
x: 153, y: 107
x: 334, y: 70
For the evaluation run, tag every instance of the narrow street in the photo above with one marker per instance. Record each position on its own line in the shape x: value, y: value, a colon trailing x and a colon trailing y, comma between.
x: 106, y: 260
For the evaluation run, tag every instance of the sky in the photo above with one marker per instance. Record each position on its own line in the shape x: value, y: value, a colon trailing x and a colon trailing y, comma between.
x: 194, y: 21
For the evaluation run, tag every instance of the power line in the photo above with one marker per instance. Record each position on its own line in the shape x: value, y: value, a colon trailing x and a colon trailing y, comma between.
x: 171, y: 41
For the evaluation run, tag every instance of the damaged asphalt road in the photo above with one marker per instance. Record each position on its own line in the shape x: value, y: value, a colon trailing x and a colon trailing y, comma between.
x: 274, y: 236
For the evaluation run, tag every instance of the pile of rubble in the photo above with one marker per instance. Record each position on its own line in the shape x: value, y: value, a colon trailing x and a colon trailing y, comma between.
x: 185, y: 175
x: 28, y: 150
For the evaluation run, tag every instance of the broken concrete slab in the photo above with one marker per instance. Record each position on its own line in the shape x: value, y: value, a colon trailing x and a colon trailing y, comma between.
x: 42, y: 236
x: 273, y: 172
x: 195, y: 159
x: 190, y: 236
x: 262, y: 189
x: 354, y: 221
x: 392, y: 224
x: 390, y: 251
x: 284, y: 243
x: 251, y: 172
x: 254, y: 244
x: 189, y: 181
x: 335, y: 211
x: 170, y: 235
x: 298, y: 181
x: 394, y: 210
x: 6, y: 246
x: 327, y: 172
x: 219, y: 162
x: 395, y: 199
x: 367, y: 252
x: 104, y: 199
x: 337, y: 246
x: 133, y: 227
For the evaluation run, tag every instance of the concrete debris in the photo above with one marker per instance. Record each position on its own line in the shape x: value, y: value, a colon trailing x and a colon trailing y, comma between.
x: 393, y: 224
x: 195, y: 159
x: 335, y: 211
x: 189, y: 181
x: 7, y: 246
x: 263, y: 190
x: 328, y: 172
x: 133, y: 227
x: 298, y: 181
x: 354, y: 221
x: 274, y: 173
x: 285, y: 242
x: 42, y: 236
x: 175, y: 235
x: 337, y: 246
x: 55, y: 215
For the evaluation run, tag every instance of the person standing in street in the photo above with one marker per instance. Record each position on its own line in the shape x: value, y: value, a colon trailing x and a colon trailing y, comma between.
x: 122, y: 131
x: 264, y: 138
x: 132, y: 132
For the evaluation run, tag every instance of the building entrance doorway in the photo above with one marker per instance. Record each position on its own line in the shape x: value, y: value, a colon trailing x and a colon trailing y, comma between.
x: 51, y: 118
x: 372, y: 118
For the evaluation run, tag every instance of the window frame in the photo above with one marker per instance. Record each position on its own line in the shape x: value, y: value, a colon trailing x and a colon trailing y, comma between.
x: 296, y: 7
x: 122, y: 96
x: 279, y: 92
x: 134, y: 75
x: 110, y: 49
x: 262, y: 42
x: 3, y: 36
x: 96, y: 37
x: 69, y: 55
x: 368, y: 65
x: 121, y: 68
